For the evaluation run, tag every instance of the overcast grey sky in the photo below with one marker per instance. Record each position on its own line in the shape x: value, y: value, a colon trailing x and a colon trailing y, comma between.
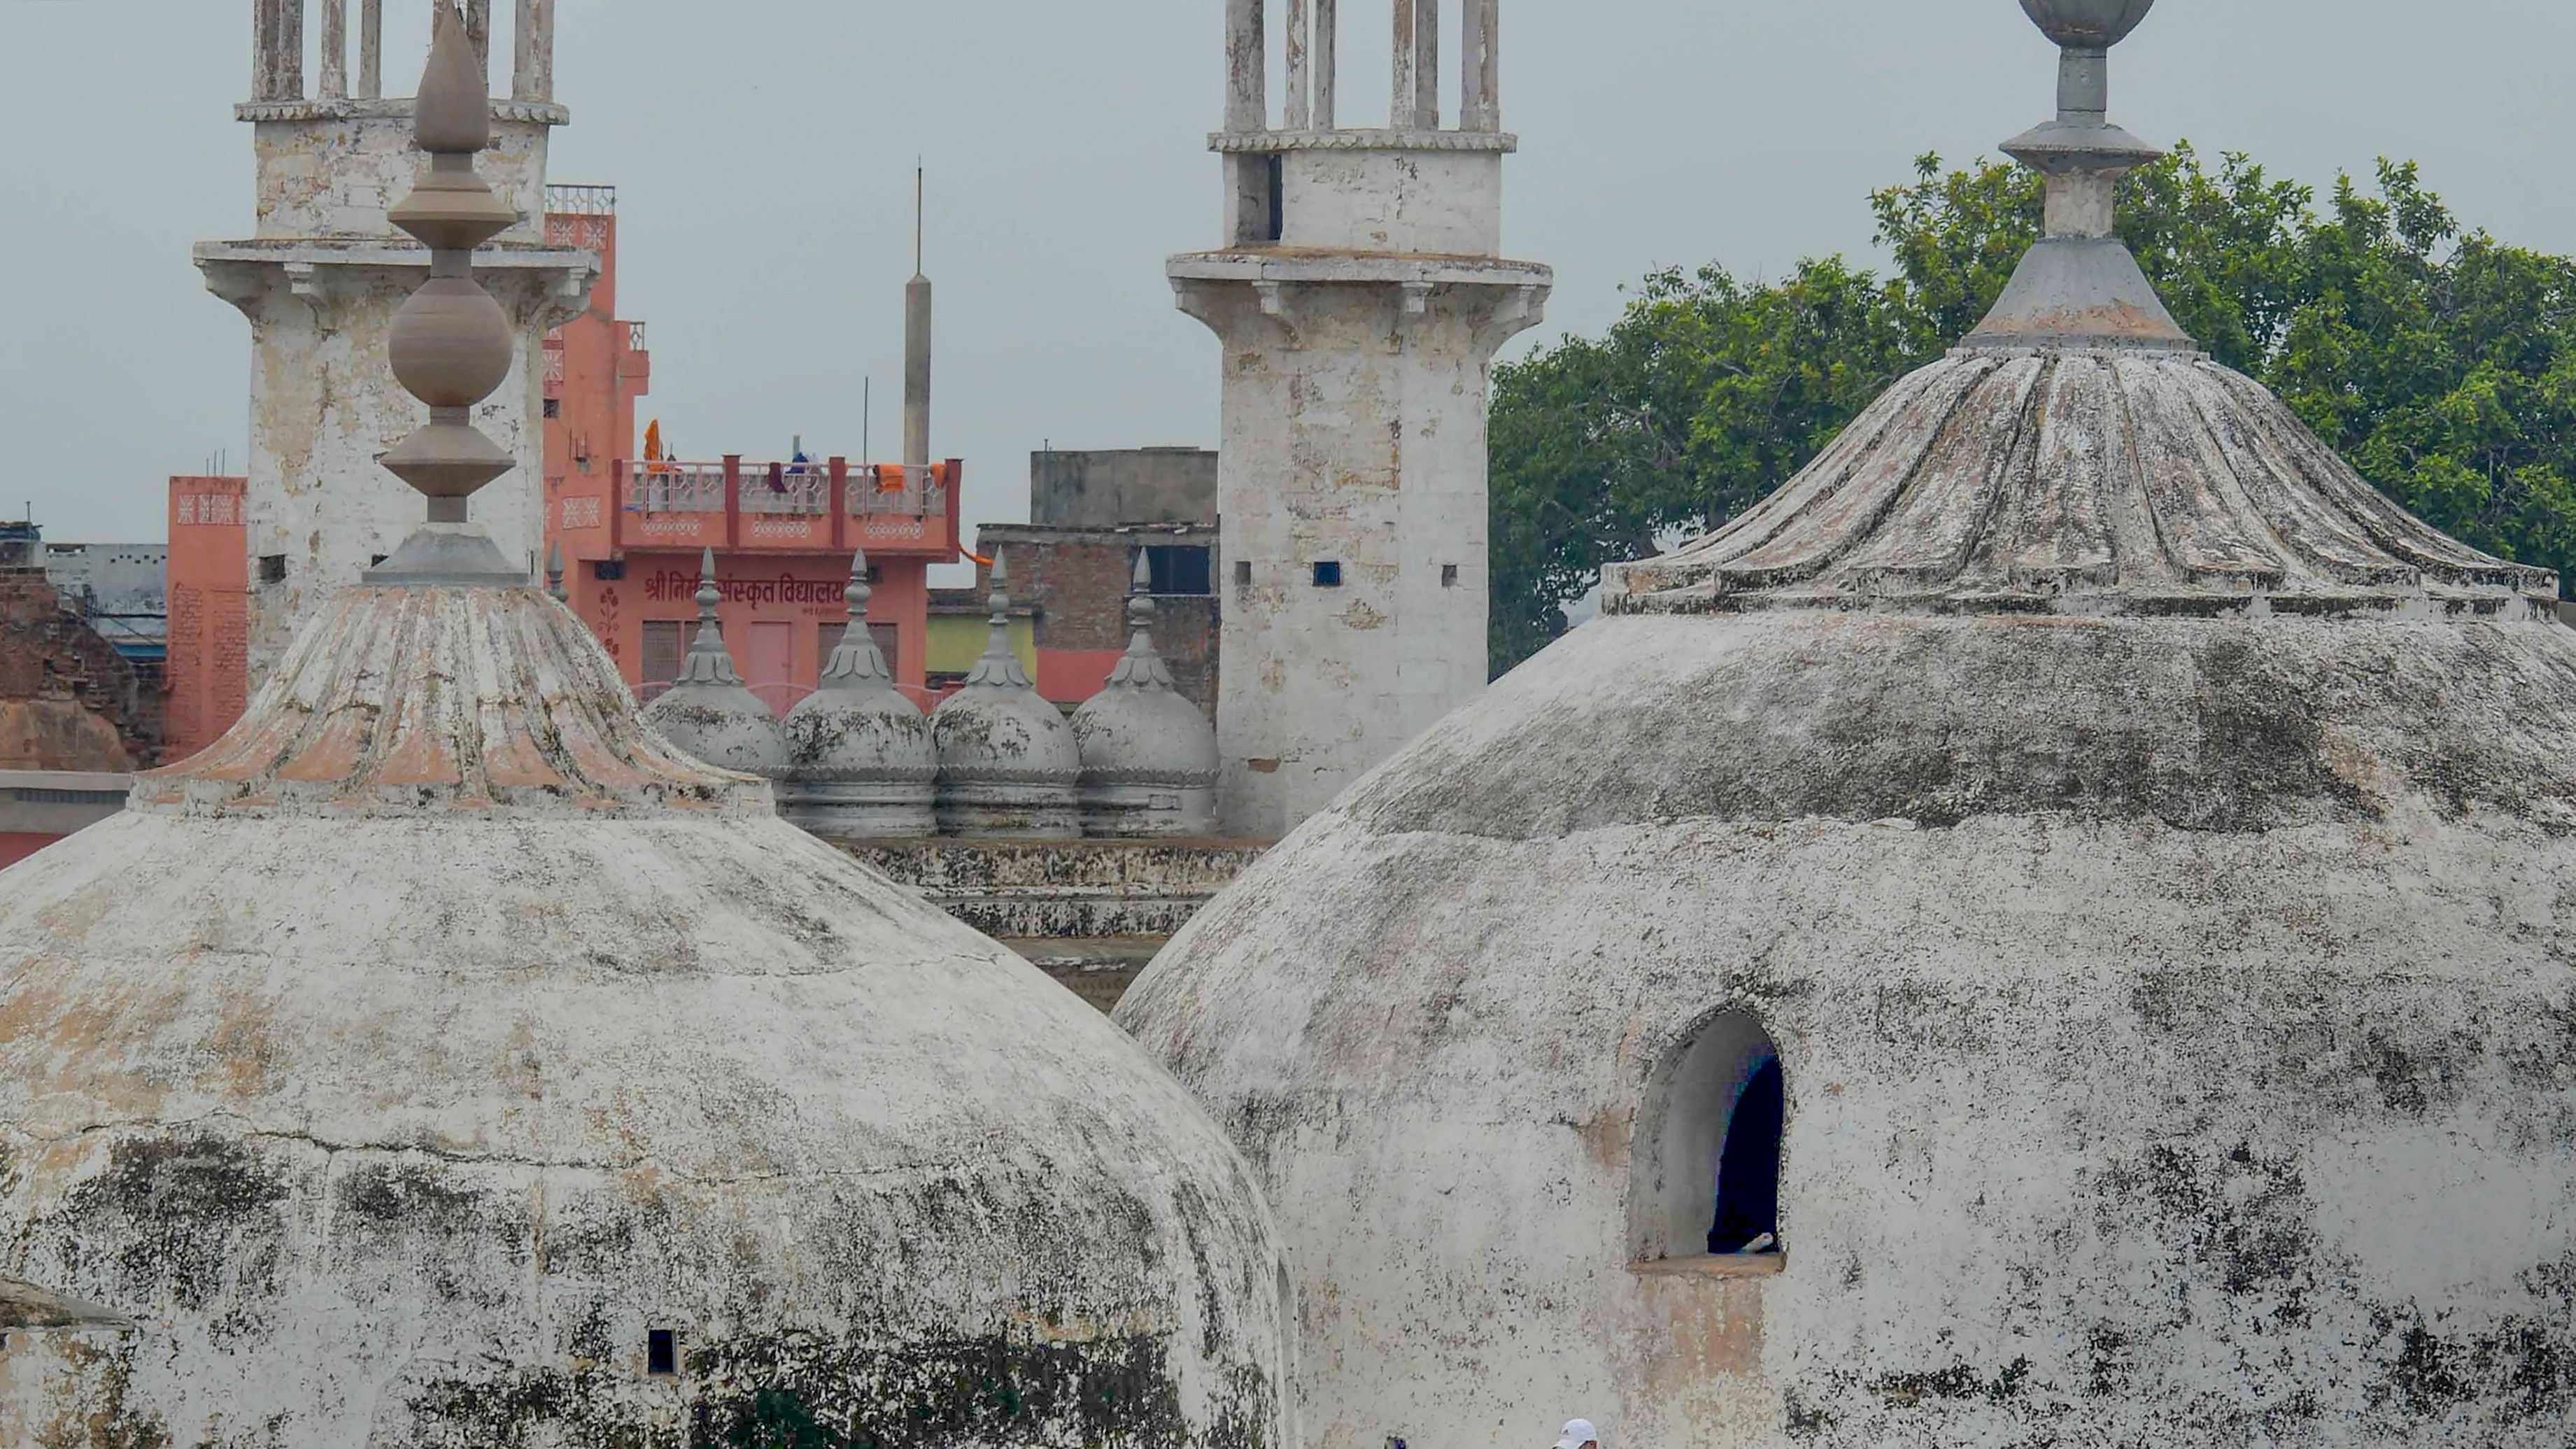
x: 763, y: 151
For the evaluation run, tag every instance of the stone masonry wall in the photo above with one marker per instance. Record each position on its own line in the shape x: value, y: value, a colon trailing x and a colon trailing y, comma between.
x: 68, y: 700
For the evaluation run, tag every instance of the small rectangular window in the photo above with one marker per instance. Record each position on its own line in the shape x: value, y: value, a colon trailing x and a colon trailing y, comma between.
x: 1328, y: 575
x: 554, y: 407
x: 608, y: 570
x: 1243, y: 573
x: 272, y: 568
x: 1178, y: 569
x: 661, y: 1352
x: 1448, y: 576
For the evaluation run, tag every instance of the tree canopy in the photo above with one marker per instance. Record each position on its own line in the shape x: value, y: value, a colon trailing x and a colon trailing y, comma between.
x: 2439, y: 361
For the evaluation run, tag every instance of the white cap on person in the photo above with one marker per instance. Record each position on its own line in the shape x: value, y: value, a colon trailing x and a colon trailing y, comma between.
x: 1578, y: 1433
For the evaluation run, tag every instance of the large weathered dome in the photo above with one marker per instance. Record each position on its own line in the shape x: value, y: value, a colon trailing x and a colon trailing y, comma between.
x: 444, y: 1059
x: 410, y: 1059
x: 2056, y: 928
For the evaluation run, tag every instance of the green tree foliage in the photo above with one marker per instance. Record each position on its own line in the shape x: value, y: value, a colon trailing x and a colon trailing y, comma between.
x: 2439, y: 361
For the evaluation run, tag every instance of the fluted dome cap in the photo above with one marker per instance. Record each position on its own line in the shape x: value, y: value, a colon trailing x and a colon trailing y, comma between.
x: 707, y: 711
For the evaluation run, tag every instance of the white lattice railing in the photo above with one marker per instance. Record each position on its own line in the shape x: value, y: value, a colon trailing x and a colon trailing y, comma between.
x: 919, y: 493
x: 675, y: 488
x: 808, y: 492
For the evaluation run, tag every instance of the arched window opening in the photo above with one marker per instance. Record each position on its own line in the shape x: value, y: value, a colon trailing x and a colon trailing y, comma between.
x: 1748, y: 1168
x: 1705, y: 1159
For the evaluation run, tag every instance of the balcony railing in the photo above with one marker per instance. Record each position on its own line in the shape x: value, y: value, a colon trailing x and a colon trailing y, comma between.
x: 676, y: 488
x: 800, y: 488
x: 814, y: 505
x: 634, y: 336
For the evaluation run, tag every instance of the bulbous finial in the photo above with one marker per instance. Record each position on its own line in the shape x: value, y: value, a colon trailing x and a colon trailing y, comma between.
x: 2079, y: 286
x: 451, y: 345
x: 1000, y: 598
x: 555, y: 572
x: 708, y: 594
x: 2087, y: 24
x: 1142, y: 665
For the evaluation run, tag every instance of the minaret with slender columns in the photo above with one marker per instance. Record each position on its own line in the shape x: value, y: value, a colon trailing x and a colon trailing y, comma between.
x: 1360, y: 296
x: 321, y: 281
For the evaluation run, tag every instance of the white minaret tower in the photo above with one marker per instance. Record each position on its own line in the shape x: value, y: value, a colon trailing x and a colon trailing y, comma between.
x: 1360, y: 297
x: 320, y: 283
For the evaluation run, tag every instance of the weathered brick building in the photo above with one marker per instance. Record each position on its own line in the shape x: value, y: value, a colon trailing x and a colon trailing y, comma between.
x: 1071, y: 564
x: 68, y: 700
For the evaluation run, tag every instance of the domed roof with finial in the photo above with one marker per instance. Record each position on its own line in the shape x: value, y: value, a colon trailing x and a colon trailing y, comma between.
x: 707, y: 711
x: 857, y: 747
x: 2139, y: 855
x: 442, y: 1058
x: 1139, y: 732
x: 998, y: 732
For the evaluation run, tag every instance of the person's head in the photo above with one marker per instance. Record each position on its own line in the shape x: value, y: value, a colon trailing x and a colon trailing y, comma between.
x: 1579, y: 1434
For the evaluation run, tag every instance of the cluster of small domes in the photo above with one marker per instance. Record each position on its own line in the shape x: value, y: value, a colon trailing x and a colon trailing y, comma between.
x: 996, y: 760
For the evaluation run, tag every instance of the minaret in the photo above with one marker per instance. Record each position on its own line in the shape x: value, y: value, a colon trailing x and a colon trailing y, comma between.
x: 1360, y: 297
x: 320, y: 282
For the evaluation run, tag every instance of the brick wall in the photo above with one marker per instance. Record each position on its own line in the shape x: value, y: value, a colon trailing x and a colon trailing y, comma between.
x: 1078, y: 585
x: 50, y: 659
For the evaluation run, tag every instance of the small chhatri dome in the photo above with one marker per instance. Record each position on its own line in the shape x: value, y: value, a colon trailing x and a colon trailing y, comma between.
x: 1149, y: 756
x: 860, y: 757
x: 442, y: 1059
x: 707, y: 711
x: 1008, y: 764
x: 2050, y: 929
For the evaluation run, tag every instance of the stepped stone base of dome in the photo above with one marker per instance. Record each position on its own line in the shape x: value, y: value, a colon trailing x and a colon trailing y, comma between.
x: 858, y: 809
x: 1009, y: 811
x: 1090, y: 913
x: 1137, y: 810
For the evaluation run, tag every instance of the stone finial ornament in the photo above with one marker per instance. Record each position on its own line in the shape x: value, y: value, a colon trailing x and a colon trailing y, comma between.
x: 860, y: 758
x: 2080, y: 286
x: 555, y: 574
x: 708, y: 661
x: 1149, y: 757
x: 999, y: 665
x: 451, y: 344
x: 857, y: 662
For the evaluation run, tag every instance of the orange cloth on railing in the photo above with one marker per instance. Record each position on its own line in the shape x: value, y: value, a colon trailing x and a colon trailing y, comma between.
x: 889, y: 477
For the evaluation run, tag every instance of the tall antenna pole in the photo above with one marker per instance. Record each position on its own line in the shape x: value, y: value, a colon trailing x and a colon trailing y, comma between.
x: 916, y: 351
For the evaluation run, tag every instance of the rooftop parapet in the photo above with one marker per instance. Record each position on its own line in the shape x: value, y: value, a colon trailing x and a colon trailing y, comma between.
x: 277, y: 55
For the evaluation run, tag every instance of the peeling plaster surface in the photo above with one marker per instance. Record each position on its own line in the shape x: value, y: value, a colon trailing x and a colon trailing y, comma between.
x: 1354, y: 434
x: 2178, y: 1015
x: 320, y: 284
x: 404, y: 1126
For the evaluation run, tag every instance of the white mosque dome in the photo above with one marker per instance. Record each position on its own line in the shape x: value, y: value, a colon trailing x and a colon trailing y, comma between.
x: 2053, y: 928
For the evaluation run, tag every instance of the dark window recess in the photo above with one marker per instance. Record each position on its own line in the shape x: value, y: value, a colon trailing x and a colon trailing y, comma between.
x: 272, y: 568
x: 661, y: 1352
x: 1448, y: 576
x: 1179, y: 569
x: 554, y: 407
x: 1328, y: 575
x: 1243, y: 573
x: 1748, y: 1169
x: 608, y: 570
x: 876, y: 573
x: 1275, y: 184
x: 375, y: 560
